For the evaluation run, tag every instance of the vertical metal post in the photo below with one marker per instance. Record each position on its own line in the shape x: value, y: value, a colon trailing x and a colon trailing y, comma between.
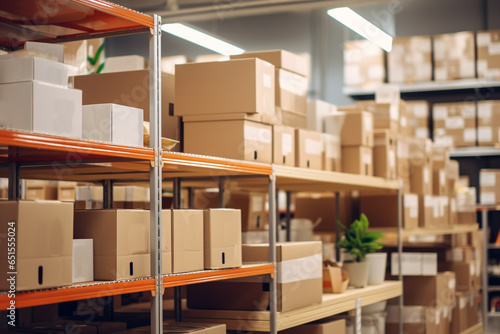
x: 107, y: 194
x: 484, y: 299
x: 400, y: 252
x: 155, y: 174
x: 221, y: 193
x: 272, y: 253
x: 277, y: 215
x: 13, y: 190
x: 190, y: 191
x: 177, y: 289
x: 288, y: 214
x: 337, y: 227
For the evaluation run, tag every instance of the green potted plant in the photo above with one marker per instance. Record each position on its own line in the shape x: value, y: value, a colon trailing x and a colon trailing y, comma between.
x: 358, y: 242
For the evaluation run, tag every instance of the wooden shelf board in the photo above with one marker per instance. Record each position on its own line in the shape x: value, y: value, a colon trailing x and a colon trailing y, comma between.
x: 332, y: 304
x: 407, y: 233
x: 476, y: 329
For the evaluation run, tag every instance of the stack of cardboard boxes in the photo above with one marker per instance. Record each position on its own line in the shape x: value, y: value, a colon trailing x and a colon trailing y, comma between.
x: 454, y: 56
x: 410, y: 60
x: 455, y: 124
x: 488, y: 55
x: 489, y: 183
x: 364, y: 64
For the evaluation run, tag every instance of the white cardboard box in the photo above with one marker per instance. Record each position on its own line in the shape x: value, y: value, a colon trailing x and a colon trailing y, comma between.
x: 52, y: 50
x: 83, y: 260
x: 124, y: 63
x: 43, y: 108
x: 113, y: 123
x: 414, y: 264
x: 33, y: 68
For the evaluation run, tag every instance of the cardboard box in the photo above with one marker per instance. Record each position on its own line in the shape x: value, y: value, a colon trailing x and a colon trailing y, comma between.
x: 460, y: 254
x: 453, y: 212
x: 488, y: 59
x: 438, y: 290
x: 187, y: 241
x: 182, y: 328
x: 364, y: 64
x: 317, y: 110
x: 308, y: 149
x: 131, y: 88
x: 439, y: 185
x: 83, y: 260
x: 123, y: 64
x: 324, y: 326
x: 316, y: 206
x: 466, y: 276
x: 416, y: 320
x: 113, y: 123
x: 121, y: 242
x: 419, y: 112
x: 385, y: 115
x: 50, y: 49
x: 403, y: 162
x: 75, y: 57
x: 415, y: 264
x: 454, y: 56
x: 459, y: 315
x: 488, y: 124
x: 371, y: 206
x: 452, y: 177
x: 39, y: 107
x: 280, y: 59
x: 455, y: 124
x: 489, y: 186
x: 440, y: 156
x: 283, y: 145
x: 332, y: 153
x: 222, y: 238
x: 357, y: 160
x: 33, y: 68
x: 472, y: 308
x: 290, y: 91
x: 63, y: 325
x: 66, y: 191
x: 167, y: 248
x: 299, y: 269
x: 422, y: 178
x: 251, y: 141
x: 40, y: 190
x: 212, y: 88
x: 290, y: 118
x: 42, y: 233
x: 384, y: 154
x: 410, y: 60
x: 357, y: 126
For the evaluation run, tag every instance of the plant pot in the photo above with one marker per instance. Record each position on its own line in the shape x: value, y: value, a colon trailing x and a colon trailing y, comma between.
x: 376, y: 267
x: 358, y: 273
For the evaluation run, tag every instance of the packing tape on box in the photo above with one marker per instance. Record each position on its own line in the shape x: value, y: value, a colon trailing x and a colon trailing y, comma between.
x: 313, y: 147
x: 484, y: 110
x: 286, y: 143
x: 484, y: 134
x: 309, y: 267
x: 440, y: 112
x: 487, y: 179
x: 292, y: 82
x: 494, y: 49
x: 469, y: 135
x: 257, y: 134
x: 483, y: 39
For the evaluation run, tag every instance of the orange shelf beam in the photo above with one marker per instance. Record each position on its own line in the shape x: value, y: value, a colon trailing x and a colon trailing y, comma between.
x: 119, y: 11
x: 217, y: 275
x: 76, y: 292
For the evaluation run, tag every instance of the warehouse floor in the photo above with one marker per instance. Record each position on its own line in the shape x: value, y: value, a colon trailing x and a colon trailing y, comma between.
x: 493, y: 326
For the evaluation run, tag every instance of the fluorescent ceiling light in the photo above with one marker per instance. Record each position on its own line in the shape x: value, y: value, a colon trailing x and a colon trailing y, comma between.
x: 202, y: 39
x: 360, y: 25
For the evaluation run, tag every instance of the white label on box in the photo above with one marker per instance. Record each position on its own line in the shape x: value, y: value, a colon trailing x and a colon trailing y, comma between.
x: 468, y: 111
x: 366, y: 158
x: 428, y: 201
x: 429, y: 264
x: 494, y: 49
x: 439, y: 112
x: 376, y: 72
x: 454, y: 123
x: 462, y: 302
x: 257, y: 203
x: 482, y: 67
x: 403, y: 122
x: 467, y: 68
x: 435, y: 208
x: 292, y: 82
x: 313, y: 147
x: 488, y: 198
x: 483, y: 39
x: 426, y: 175
x: 394, y: 112
x: 454, y: 255
x: 472, y: 269
x: 257, y: 134
x: 352, y: 75
x: 396, y: 74
x: 469, y: 135
x: 420, y: 110
x: 484, y: 110
x: 392, y: 158
x: 484, y: 134
x: 286, y: 143
x: 305, y: 268
x: 439, y: 49
x: 452, y: 284
x: 444, y: 141
x: 403, y: 149
x: 453, y: 205
x: 487, y: 179
x: 408, y: 261
x: 411, y: 202
x: 442, y: 177
x: 332, y: 147
x: 441, y: 73
x: 267, y: 82
x: 422, y: 132
x: 492, y: 73
x: 368, y: 122
x: 397, y: 49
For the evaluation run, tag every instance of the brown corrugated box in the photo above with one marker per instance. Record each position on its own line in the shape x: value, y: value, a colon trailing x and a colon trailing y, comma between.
x: 131, y: 88
x: 121, y: 241
x: 438, y: 290
x: 291, y: 118
x: 290, y: 91
x: 357, y: 160
x: 488, y: 122
x: 466, y: 277
x: 455, y: 124
x: 187, y: 240
x: 299, y: 269
x: 42, y: 240
x: 459, y: 315
x: 41, y: 190
x: 439, y: 185
x: 371, y: 206
x: 280, y: 59
x: 283, y: 145
x: 385, y: 115
x: 454, y: 56
x: 66, y: 191
x: 213, y: 87
x: 418, y: 111
x: 235, y: 139
x: 410, y: 60
x: 384, y: 154
x: 332, y: 153
x: 421, y: 175
x: 308, y: 149
x: 222, y: 238
x: 489, y: 181
x: 364, y: 64
x: 488, y: 57
x: 416, y: 320
x: 357, y: 126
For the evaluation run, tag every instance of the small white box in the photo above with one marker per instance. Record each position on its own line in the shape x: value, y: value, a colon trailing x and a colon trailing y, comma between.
x: 33, y: 68
x: 83, y: 260
x: 429, y: 264
x: 52, y: 50
x: 123, y: 63
x: 113, y: 123
x: 39, y: 107
x: 411, y: 264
